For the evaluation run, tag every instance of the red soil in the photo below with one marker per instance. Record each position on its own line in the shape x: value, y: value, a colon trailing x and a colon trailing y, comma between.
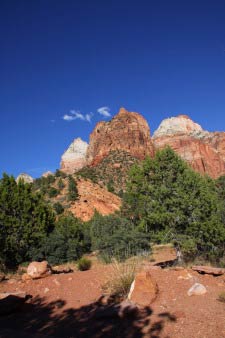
x: 68, y: 305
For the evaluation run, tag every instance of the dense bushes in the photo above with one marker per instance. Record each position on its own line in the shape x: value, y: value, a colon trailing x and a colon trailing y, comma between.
x: 25, y: 221
x: 165, y: 201
x: 171, y: 202
x: 68, y: 242
x: 116, y: 237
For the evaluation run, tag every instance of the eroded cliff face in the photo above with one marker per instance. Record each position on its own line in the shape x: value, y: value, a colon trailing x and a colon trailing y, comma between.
x: 74, y: 157
x: 127, y: 131
x: 204, y: 151
x: 93, y: 198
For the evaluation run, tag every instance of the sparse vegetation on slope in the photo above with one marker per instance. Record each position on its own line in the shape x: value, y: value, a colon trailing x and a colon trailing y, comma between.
x: 111, y: 172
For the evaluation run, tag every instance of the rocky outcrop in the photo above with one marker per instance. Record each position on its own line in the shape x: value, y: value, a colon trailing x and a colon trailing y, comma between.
x: 24, y: 177
x: 38, y: 270
x: 74, y: 157
x: 127, y: 131
x: 209, y: 270
x: 91, y: 198
x: 181, y: 124
x: 47, y: 173
x: 204, y: 151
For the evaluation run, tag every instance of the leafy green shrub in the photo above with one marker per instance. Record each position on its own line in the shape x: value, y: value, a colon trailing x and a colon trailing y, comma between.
x: 116, y: 237
x: 89, y: 173
x: 84, y: 264
x: 49, y: 179
x: 110, y: 186
x: 68, y: 242
x: 53, y: 192
x: 25, y: 221
x: 171, y: 202
x: 60, y: 173
x: 58, y: 208
x: 61, y: 185
x: 72, y: 189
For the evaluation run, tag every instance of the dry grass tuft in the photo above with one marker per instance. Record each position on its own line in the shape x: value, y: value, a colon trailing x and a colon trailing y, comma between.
x: 221, y: 297
x: 121, y: 277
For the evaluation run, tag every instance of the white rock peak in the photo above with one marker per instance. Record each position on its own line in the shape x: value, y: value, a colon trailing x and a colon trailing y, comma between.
x: 76, y: 150
x: 180, y: 124
x: 24, y: 177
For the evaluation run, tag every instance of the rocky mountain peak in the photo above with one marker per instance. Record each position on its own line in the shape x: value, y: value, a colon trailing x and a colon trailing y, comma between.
x: 122, y: 110
x: 74, y: 158
x: 25, y: 177
x: 181, y: 124
x: 127, y: 131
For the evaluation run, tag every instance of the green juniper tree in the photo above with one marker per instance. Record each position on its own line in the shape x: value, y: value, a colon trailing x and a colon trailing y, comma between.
x: 25, y: 221
x: 72, y: 189
x: 170, y: 201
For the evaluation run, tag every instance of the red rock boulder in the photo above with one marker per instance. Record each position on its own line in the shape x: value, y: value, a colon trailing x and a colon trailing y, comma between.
x: 38, y: 270
x: 143, y: 290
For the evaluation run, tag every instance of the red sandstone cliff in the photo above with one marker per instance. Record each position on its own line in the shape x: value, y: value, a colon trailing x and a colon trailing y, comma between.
x: 204, y: 151
x: 127, y: 131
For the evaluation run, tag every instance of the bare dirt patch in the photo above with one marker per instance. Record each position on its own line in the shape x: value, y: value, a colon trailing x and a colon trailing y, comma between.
x: 68, y: 305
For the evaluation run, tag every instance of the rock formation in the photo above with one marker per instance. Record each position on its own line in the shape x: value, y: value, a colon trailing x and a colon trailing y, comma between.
x: 74, y: 158
x: 129, y: 132
x: 126, y: 131
x: 47, y: 173
x: 25, y: 177
x: 204, y: 151
x: 91, y: 198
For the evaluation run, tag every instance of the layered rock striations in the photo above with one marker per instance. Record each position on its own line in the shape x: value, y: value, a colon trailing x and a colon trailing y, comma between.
x: 204, y: 151
x: 127, y: 131
x: 74, y: 158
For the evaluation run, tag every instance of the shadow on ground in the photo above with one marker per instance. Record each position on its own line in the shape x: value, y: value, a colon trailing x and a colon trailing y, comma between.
x: 39, y: 319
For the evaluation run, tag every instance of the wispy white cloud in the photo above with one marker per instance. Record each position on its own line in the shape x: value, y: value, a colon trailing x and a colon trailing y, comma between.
x: 104, y: 111
x: 77, y: 115
x: 88, y: 117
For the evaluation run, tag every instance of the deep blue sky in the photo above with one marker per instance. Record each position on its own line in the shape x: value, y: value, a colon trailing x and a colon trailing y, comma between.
x: 159, y: 58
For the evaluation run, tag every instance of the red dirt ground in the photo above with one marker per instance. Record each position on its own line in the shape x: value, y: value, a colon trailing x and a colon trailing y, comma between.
x: 68, y: 305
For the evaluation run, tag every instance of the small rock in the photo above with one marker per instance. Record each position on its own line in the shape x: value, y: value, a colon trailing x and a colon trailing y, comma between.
x: 61, y: 269
x: 184, y: 274
x: 196, y: 290
x: 46, y: 290
x: 208, y: 270
x: 39, y: 269
x: 12, y: 281
x: 56, y: 282
x: 25, y: 277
